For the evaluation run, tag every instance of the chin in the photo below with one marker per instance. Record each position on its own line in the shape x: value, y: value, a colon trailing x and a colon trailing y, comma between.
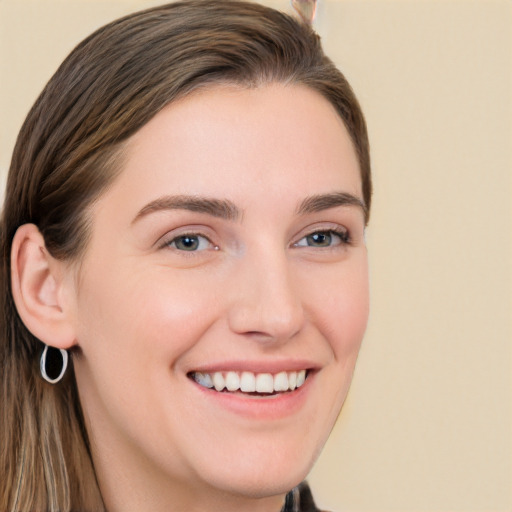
x: 260, y: 484
x: 261, y: 473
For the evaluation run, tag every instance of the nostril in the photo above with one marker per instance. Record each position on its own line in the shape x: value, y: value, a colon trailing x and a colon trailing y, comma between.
x: 271, y: 335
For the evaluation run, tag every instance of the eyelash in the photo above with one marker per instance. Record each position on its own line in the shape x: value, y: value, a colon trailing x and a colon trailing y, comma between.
x: 342, y: 235
x: 169, y: 243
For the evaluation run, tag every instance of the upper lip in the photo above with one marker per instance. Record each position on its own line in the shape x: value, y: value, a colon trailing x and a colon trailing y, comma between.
x: 257, y: 366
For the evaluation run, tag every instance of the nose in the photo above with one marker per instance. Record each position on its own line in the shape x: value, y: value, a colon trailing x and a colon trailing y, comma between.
x: 265, y: 301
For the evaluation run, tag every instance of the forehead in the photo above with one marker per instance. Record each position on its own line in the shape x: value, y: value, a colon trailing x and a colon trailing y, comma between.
x: 226, y: 141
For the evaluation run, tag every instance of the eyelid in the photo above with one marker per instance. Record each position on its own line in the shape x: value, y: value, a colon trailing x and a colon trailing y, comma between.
x: 338, y: 239
x: 337, y: 229
x: 165, y: 241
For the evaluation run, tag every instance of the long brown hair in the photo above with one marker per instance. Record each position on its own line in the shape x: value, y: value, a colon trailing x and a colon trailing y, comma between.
x: 69, y: 150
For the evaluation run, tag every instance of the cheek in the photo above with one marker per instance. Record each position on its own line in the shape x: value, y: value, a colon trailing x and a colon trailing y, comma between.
x: 351, y: 314
x: 341, y: 306
x: 338, y: 306
x: 155, y: 299
x: 135, y: 330
x: 129, y: 319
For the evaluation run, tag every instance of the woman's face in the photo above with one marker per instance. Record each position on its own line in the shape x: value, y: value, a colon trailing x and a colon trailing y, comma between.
x: 229, y: 251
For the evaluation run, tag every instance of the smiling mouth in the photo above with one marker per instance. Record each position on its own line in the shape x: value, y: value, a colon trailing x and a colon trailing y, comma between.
x: 251, y: 383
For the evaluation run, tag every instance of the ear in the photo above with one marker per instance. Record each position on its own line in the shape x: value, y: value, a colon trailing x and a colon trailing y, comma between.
x: 41, y: 289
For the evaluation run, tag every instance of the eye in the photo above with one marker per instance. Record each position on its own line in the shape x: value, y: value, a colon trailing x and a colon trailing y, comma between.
x: 325, y: 238
x: 190, y: 243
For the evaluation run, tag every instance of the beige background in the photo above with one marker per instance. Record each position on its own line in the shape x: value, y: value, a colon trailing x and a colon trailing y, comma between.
x: 427, y: 426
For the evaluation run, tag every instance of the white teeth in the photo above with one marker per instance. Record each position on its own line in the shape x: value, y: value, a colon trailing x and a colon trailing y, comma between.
x: 264, y: 383
x: 205, y: 379
x: 292, y: 380
x: 281, y: 382
x: 248, y: 382
x: 218, y: 381
x: 232, y: 381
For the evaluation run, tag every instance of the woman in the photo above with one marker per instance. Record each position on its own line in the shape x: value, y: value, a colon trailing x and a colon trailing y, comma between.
x: 184, y: 217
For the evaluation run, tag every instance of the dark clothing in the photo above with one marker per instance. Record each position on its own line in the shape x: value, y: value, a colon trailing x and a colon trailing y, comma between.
x: 300, y: 499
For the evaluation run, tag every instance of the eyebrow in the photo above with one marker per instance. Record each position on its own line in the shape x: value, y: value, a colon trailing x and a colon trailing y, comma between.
x: 227, y: 210
x: 221, y: 208
x: 320, y: 202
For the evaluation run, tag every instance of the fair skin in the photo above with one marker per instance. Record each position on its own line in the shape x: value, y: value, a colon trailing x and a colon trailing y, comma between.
x: 231, y: 242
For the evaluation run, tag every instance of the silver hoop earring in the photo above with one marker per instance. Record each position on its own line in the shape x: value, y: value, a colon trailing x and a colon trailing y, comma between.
x: 52, y: 367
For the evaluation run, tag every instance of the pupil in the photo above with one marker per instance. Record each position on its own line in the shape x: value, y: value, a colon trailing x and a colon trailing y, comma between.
x: 320, y: 239
x: 188, y: 243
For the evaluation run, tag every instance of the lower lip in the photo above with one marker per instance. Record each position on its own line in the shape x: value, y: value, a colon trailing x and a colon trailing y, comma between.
x: 270, y: 407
